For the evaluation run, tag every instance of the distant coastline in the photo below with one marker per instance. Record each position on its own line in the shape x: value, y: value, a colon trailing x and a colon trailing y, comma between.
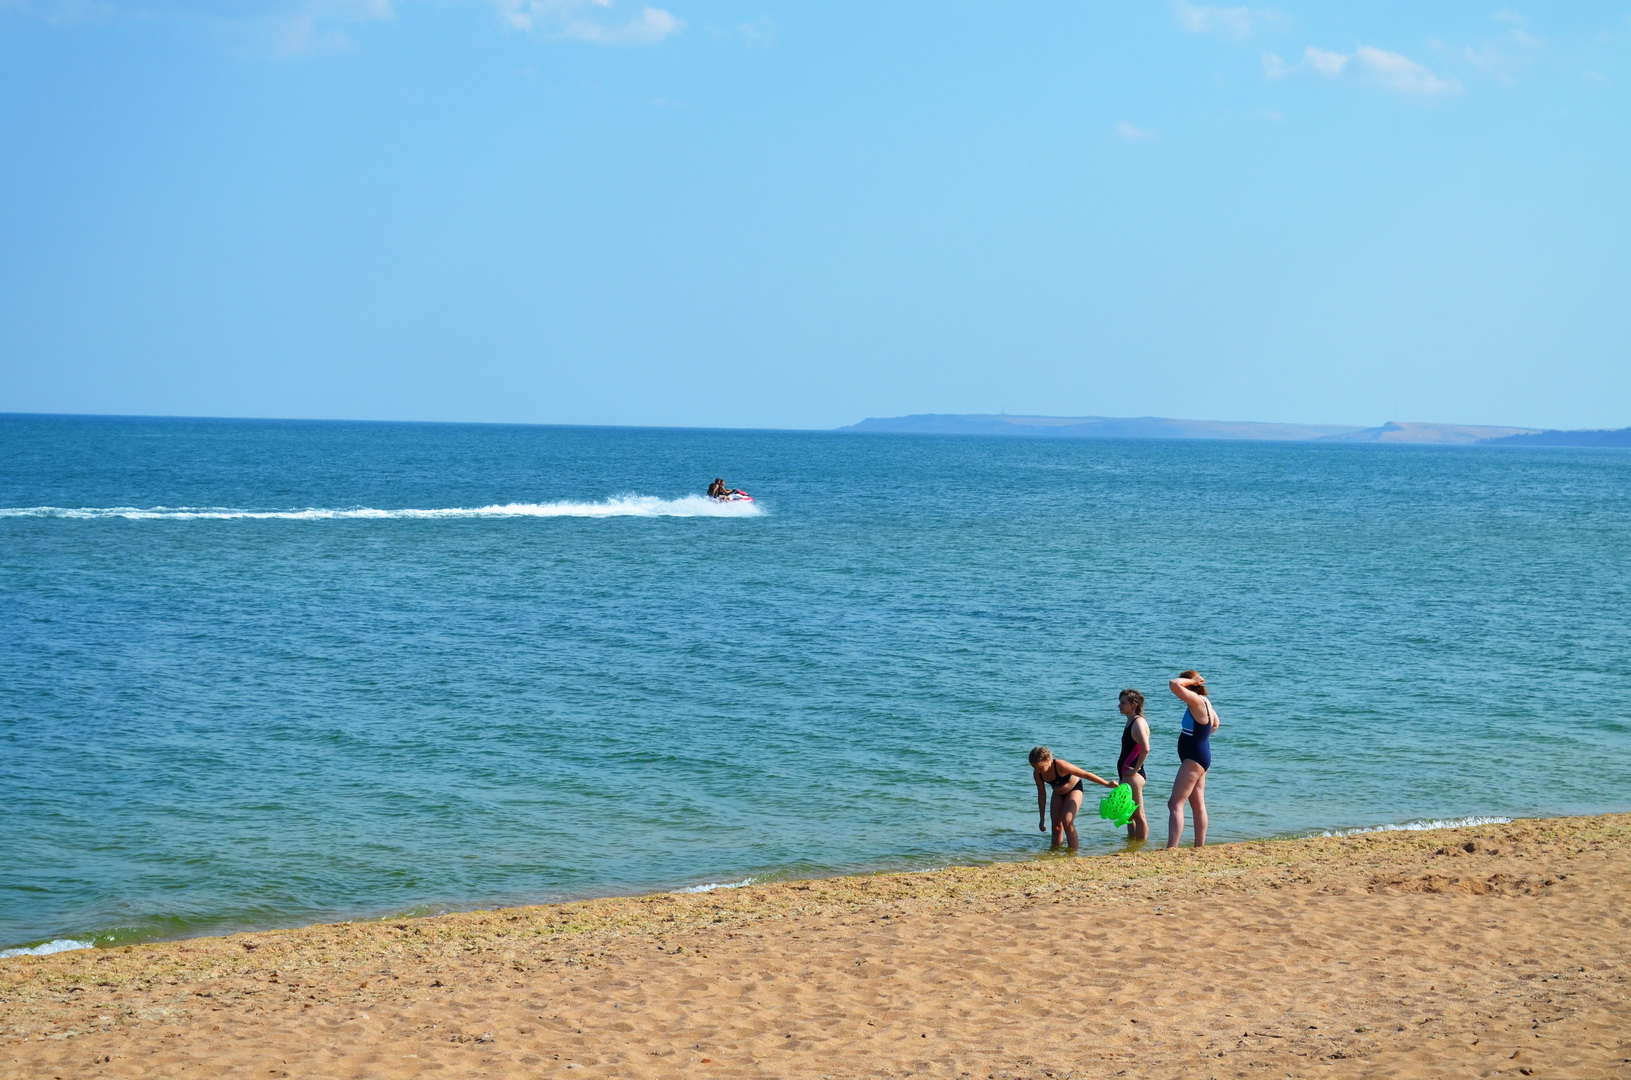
x: 1599, y: 437
x: 1156, y: 427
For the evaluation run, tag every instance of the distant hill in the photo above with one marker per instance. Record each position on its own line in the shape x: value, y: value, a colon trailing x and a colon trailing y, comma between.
x: 1620, y: 437
x: 1093, y: 427
x: 1156, y: 427
x: 1397, y: 432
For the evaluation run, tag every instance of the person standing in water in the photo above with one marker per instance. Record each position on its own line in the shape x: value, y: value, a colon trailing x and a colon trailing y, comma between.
x: 1066, y: 781
x: 1135, y: 750
x: 1194, y: 756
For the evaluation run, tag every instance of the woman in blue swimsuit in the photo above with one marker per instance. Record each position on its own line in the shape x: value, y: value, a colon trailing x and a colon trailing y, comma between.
x: 1194, y: 756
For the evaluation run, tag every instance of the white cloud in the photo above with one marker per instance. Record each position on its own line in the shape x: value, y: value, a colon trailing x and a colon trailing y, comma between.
x: 314, y: 26
x: 1520, y: 29
x: 1402, y: 74
x: 1389, y: 70
x: 62, y: 12
x: 1134, y: 133
x: 277, y: 27
x: 590, y: 20
x: 1505, y: 57
x: 758, y: 33
x: 297, y: 27
x: 1235, y: 22
x: 1211, y: 20
x: 1329, y: 64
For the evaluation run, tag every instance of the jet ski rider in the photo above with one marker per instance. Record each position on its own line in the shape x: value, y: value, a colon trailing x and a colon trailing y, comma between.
x: 718, y: 490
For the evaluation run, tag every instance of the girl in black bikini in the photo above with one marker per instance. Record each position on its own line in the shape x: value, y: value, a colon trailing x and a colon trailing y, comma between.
x: 1066, y: 781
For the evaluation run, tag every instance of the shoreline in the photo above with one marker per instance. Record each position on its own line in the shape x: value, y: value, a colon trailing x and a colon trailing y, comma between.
x: 1416, y: 952
x: 105, y: 939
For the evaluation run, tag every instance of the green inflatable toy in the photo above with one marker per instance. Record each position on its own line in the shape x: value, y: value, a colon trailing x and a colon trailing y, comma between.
x: 1118, y: 806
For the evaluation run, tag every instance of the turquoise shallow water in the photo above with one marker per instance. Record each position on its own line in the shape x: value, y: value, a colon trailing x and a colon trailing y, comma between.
x: 247, y: 685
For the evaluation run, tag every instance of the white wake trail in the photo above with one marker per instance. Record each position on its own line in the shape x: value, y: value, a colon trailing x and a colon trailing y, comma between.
x: 49, y: 948
x: 618, y: 506
x: 1421, y: 826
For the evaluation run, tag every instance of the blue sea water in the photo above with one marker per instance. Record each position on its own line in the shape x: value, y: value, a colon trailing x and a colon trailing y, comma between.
x: 261, y: 673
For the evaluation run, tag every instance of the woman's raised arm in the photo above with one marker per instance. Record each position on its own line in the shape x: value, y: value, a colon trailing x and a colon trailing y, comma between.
x: 1181, y: 688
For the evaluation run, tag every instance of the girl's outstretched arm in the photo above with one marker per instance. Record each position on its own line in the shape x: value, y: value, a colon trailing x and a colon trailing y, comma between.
x: 1041, y: 802
x: 1070, y: 770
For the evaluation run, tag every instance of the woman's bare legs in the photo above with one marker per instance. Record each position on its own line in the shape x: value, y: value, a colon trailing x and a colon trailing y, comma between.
x: 1063, y: 809
x: 1138, y: 826
x: 1191, y: 777
x: 1197, y: 809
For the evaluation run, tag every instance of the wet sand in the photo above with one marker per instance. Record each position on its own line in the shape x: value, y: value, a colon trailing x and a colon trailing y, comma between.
x: 1498, y: 950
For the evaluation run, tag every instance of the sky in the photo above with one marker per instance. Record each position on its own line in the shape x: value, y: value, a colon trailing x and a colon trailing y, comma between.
x: 757, y: 213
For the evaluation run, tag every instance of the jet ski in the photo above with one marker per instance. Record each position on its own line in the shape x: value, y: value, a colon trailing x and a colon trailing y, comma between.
x: 733, y: 495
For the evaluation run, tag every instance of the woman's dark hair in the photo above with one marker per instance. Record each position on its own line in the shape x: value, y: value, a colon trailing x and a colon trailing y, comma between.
x: 1198, y: 688
x: 1040, y: 754
x: 1135, y: 697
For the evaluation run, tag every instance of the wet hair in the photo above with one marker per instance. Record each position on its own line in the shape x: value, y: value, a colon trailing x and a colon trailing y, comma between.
x: 1198, y: 688
x: 1135, y: 697
x: 1040, y: 754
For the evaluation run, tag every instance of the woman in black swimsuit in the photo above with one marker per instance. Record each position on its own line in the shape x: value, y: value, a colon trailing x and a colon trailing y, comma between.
x: 1066, y: 781
x: 1135, y: 750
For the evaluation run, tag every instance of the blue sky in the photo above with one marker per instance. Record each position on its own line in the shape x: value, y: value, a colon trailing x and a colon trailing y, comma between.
x: 759, y: 213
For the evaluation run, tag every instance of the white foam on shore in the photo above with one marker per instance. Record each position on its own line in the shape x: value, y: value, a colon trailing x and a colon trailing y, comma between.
x: 618, y: 506
x: 711, y: 886
x: 1422, y: 826
x: 59, y: 945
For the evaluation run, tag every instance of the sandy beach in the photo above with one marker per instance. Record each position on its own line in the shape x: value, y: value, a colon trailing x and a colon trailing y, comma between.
x: 1498, y: 950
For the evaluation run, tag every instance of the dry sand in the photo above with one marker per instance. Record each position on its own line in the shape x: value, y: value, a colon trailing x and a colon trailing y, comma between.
x: 1491, y: 951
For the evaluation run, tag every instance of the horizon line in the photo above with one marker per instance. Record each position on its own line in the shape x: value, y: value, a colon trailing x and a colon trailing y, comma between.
x: 750, y: 427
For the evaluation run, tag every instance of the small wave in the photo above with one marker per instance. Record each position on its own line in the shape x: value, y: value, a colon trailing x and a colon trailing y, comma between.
x: 711, y: 886
x: 619, y: 506
x: 59, y: 945
x: 1422, y: 826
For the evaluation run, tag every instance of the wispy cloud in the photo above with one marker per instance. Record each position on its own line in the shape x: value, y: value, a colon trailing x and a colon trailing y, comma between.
x: 604, y: 22
x: 1134, y: 133
x: 296, y: 27
x: 276, y: 27
x: 1235, y: 22
x: 62, y: 12
x: 1519, y: 29
x: 313, y: 26
x: 1379, y: 67
x: 1329, y: 64
x: 1507, y: 56
x: 1402, y: 74
x: 759, y: 33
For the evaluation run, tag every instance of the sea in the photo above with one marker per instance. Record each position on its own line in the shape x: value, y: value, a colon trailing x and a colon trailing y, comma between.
x: 264, y: 673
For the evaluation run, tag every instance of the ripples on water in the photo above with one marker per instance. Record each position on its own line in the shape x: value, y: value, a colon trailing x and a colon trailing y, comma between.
x: 249, y: 684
